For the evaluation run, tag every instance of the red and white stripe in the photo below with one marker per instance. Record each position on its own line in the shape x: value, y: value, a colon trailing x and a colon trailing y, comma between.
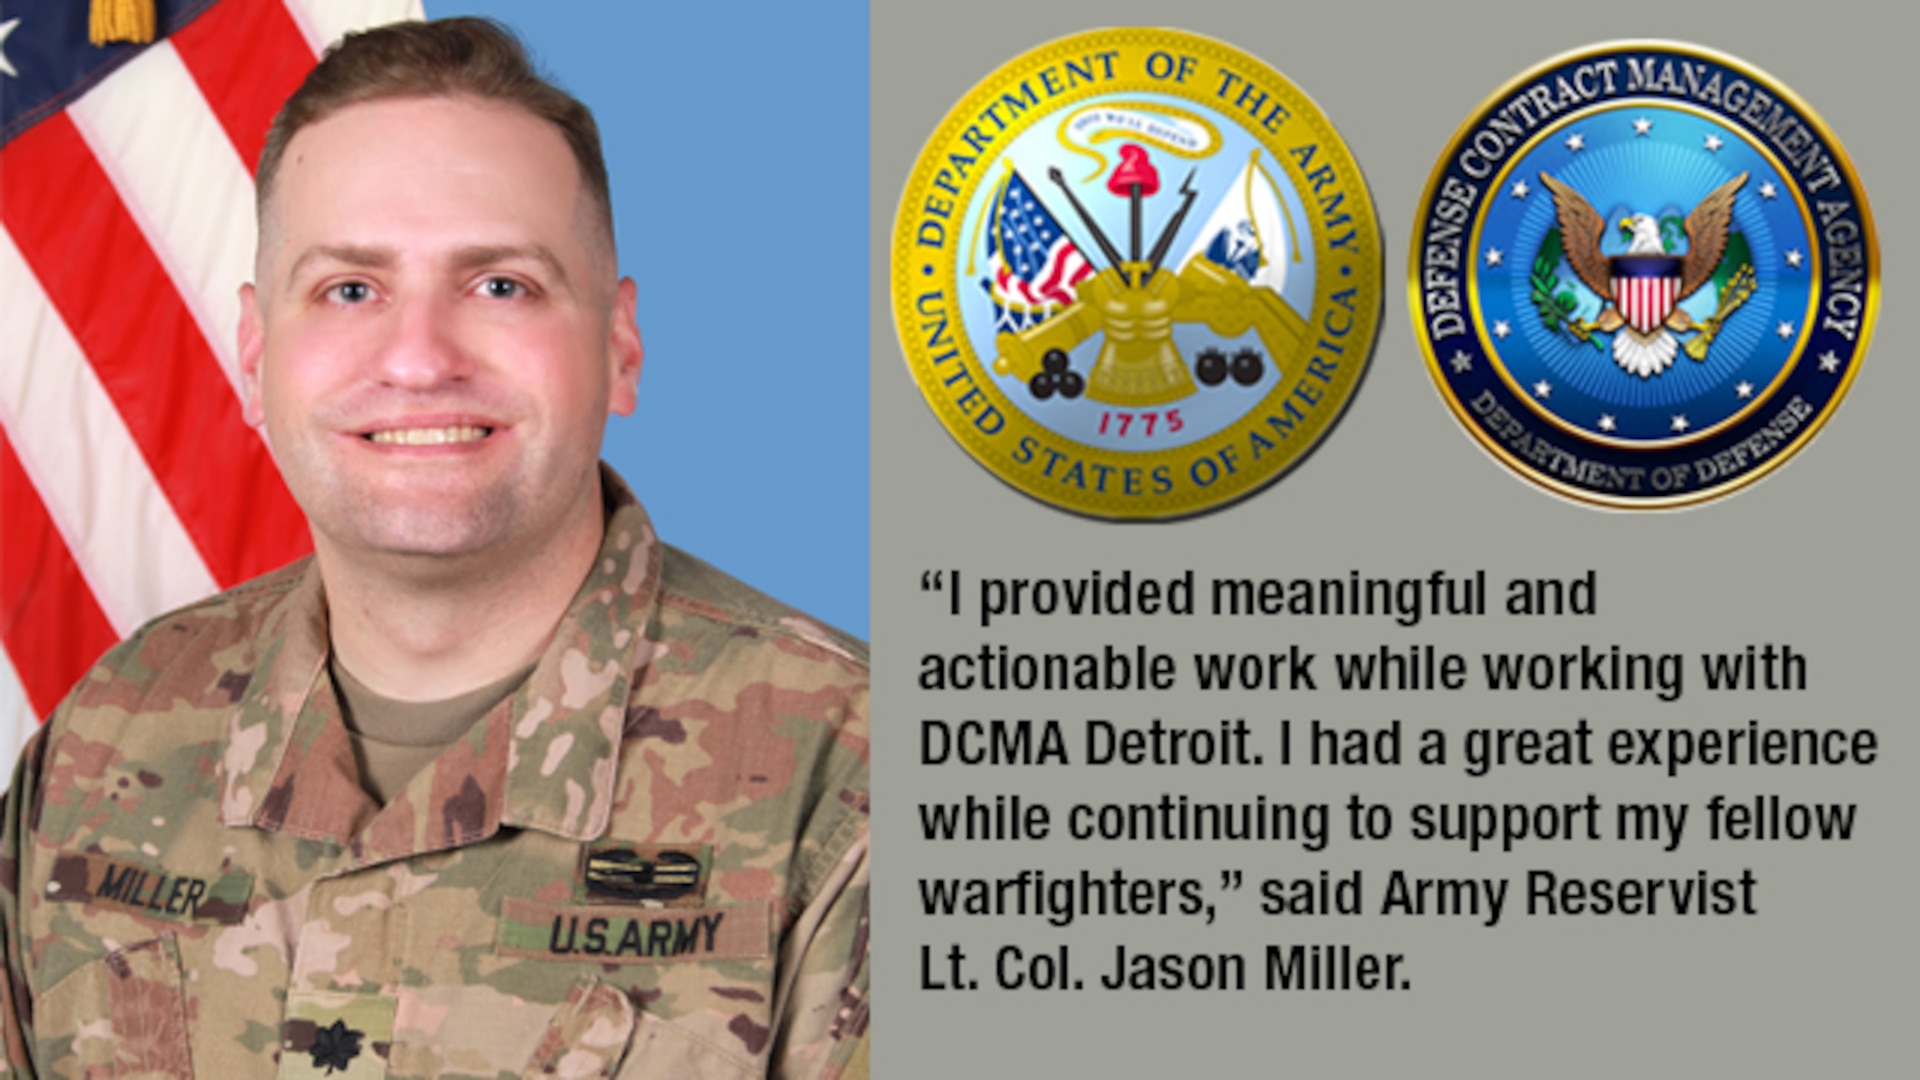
x: 128, y: 483
x: 1054, y: 285
x: 1646, y: 302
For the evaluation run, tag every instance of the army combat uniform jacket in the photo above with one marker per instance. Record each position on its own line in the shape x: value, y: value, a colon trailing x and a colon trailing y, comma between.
x: 650, y: 861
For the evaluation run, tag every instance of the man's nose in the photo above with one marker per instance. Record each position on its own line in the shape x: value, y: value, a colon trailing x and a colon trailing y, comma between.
x: 423, y: 348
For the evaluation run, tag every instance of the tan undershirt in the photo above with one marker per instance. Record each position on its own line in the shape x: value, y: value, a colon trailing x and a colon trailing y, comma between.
x: 394, y: 740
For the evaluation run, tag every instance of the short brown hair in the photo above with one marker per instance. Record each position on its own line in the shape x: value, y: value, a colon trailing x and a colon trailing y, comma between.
x: 448, y: 58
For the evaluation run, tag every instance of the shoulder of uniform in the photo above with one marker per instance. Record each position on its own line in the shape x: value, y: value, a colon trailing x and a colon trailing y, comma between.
x: 149, y: 658
x: 243, y: 605
x: 696, y: 588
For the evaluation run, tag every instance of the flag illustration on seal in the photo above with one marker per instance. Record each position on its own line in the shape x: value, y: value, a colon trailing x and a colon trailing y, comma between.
x: 1136, y: 274
x: 1645, y: 275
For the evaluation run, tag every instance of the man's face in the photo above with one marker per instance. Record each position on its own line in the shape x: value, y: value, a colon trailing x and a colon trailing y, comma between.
x: 436, y: 337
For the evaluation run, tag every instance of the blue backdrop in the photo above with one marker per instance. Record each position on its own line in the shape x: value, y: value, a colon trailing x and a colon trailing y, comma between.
x: 737, y: 140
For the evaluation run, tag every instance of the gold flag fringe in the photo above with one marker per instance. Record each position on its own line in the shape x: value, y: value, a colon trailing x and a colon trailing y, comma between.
x: 120, y: 20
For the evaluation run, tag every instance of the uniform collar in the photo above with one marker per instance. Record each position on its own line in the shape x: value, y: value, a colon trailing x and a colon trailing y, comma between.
x: 544, y: 759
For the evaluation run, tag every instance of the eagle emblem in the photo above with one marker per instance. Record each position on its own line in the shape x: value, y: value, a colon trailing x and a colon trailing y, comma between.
x: 1557, y: 276
x: 1642, y: 288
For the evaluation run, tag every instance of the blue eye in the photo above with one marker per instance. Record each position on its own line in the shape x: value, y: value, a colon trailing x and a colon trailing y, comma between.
x: 351, y: 292
x: 502, y: 288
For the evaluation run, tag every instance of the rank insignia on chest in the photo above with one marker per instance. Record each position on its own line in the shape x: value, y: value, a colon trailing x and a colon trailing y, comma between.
x: 669, y: 875
x: 332, y: 1035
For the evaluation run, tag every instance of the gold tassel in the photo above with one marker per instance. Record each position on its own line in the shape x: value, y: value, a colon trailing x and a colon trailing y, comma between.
x: 120, y: 20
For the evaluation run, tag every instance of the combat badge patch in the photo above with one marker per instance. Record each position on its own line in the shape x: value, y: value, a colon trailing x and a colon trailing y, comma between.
x: 672, y: 875
x: 1137, y: 274
x: 1644, y: 274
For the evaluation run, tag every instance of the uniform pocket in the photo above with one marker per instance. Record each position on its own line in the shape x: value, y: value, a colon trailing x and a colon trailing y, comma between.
x: 586, y: 1037
x: 597, y: 1035
x: 124, y: 1014
x: 664, y: 1048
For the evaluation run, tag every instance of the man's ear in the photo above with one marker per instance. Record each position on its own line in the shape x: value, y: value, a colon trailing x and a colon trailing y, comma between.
x: 253, y: 344
x: 625, y: 352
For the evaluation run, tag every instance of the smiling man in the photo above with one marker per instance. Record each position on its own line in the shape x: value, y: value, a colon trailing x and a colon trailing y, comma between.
x: 496, y: 783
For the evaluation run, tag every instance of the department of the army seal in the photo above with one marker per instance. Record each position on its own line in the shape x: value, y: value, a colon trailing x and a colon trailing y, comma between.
x: 1136, y: 274
x: 1644, y: 274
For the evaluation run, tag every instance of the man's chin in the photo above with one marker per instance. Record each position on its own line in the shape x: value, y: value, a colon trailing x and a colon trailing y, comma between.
x: 462, y: 525
x: 425, y: 538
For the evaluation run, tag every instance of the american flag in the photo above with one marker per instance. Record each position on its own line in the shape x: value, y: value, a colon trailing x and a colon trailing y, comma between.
x: 128, y: 483
x: 1035, y: 266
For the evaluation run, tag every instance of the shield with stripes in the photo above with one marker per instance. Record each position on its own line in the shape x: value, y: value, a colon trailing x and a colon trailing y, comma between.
x: 1645, y: 288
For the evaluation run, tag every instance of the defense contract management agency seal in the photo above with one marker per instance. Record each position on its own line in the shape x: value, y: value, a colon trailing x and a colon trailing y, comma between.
x: 1644, y: 274
x: 1136, y: 274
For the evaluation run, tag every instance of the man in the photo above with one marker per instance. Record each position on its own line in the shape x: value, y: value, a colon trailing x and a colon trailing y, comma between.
x: 495, y: 783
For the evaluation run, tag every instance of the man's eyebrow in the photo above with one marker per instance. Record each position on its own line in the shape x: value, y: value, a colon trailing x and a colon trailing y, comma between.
x: 462, y: 260
x: 350, y: 254
x: 473, y: 258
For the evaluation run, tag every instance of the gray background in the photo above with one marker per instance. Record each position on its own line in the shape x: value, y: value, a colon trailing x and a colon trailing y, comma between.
x: 1816, y: 555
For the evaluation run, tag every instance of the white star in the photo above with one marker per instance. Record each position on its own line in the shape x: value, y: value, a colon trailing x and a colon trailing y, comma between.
x: 1493, y: 256
x: 1542, y: 389
x: 1643, y: 126
x: 1576, y: 142
x: 1794, y: 257
x: 1606, y: 422
x: 1462, y: 363
x: 1744, y: 390
x: 6, y: 28
x: 1680, y: 423
x: 1520, y: 189
x: 1767, y: 190
x: 1785, y: 330
x: 1829, y: 363
x: 1501, y: 329
x: 1714, y: 144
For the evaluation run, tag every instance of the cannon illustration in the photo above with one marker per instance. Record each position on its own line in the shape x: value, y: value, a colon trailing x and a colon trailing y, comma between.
x: 1139, y: 365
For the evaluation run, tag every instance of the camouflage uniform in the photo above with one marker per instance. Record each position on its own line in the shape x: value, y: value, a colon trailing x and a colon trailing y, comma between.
x: 650, y: 861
